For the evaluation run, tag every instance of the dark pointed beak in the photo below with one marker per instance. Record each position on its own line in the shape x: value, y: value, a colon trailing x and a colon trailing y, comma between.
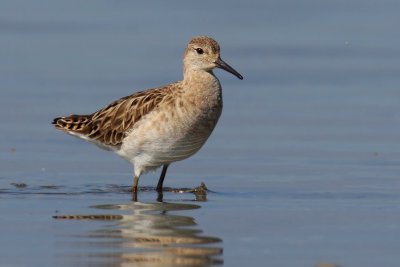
x: 222, y: 65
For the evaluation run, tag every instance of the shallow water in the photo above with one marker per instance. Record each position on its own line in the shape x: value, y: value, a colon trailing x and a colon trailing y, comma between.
x: 304, y: 164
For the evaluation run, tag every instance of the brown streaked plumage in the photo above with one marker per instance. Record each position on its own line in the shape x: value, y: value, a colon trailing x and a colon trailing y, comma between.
x: 109, y: 125
x: 159, y: 126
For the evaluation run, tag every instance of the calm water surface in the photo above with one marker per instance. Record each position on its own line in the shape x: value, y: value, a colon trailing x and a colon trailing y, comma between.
x: 304, y: 164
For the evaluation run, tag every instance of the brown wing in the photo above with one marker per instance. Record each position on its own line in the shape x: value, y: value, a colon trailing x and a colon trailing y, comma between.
x: 110, y: 125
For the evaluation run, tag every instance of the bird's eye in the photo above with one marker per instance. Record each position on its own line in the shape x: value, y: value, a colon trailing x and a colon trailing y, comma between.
x: 199, y: 51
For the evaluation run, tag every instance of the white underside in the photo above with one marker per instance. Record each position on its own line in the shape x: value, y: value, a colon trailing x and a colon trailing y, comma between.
x: 148, y: 148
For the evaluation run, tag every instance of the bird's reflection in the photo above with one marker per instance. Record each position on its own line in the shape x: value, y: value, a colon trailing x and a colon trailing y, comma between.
x: 150, y: 234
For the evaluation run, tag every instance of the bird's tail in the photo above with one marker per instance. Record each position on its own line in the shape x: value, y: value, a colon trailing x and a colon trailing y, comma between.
x: 79, y: 124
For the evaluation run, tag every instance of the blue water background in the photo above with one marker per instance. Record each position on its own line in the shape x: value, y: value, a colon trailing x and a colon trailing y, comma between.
x: 305, y: 159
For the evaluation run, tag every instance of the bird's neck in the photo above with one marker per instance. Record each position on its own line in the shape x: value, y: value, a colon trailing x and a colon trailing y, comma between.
x: 202, y: 87
x: 199, y: 77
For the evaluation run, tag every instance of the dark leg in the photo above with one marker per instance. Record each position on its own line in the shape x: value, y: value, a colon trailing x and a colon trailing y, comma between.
x: 161, y: 180
x: 160, y: 196
x: 134, y: 196
x: 135, y: 184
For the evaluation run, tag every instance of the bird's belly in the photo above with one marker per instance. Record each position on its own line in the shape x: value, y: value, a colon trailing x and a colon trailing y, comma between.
x: 169, y: 149
x: 163, y: 144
